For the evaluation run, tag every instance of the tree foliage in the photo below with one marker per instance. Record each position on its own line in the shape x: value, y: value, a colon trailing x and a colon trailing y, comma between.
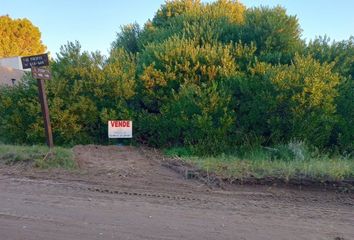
x: 128, y: 38
x: 193, y: 20
x: 210, y: 76
x: 19, y: 37
x: 285, y: 102
x: 341, y: 55
x: 275, y: 34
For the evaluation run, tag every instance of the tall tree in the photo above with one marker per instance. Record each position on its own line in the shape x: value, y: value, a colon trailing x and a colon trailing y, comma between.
x: 19, y: 37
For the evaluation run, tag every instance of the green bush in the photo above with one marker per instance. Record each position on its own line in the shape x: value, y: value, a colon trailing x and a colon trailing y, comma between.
x: 207, y: 76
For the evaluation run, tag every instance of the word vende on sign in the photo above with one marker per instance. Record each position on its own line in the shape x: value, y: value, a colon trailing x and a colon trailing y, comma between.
x: 120, y: 129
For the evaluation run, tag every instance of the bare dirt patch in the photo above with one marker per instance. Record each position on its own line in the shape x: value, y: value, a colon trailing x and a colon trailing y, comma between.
x: 129, y: 166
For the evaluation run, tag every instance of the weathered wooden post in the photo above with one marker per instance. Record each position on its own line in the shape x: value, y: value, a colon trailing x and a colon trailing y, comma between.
x: 41, y: 74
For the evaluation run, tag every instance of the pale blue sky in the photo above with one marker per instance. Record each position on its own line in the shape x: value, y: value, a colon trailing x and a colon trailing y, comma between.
x: 95, y: 23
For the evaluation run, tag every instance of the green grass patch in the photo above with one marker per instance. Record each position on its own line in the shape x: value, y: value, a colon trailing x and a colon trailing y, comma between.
x: 36, y: 156
x: 178, y: 151
x: 284, y: 162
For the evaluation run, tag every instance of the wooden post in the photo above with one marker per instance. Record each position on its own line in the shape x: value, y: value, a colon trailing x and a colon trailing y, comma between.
x: 41, y: 74
x: 45, y: 112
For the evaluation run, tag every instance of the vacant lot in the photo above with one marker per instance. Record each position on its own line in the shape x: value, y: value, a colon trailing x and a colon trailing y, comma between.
x: 126, y: 193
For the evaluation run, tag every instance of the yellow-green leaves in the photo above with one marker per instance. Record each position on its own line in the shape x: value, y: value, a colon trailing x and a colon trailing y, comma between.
x: 19, y: 37
x: 297, y: 100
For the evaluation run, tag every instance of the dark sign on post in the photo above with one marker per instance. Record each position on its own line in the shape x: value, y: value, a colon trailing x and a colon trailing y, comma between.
x: 35, y: 61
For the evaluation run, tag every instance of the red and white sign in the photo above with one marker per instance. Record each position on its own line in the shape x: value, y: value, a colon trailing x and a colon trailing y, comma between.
x: 120, y: 129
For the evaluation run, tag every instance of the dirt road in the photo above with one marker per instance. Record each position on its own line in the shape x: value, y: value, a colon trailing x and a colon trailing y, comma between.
x: 126, y: 193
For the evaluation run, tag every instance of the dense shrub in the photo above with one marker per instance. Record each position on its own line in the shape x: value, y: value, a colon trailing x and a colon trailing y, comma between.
x: 341, y: 55
x: 275, y: 34
x: 207, y: 76
x: 285, y: 102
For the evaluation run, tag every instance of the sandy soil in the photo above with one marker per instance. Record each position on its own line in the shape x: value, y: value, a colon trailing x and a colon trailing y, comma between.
x: 127, y: 193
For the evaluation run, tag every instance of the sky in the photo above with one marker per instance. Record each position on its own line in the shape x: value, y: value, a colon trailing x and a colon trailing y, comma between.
x: 94, y: 23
